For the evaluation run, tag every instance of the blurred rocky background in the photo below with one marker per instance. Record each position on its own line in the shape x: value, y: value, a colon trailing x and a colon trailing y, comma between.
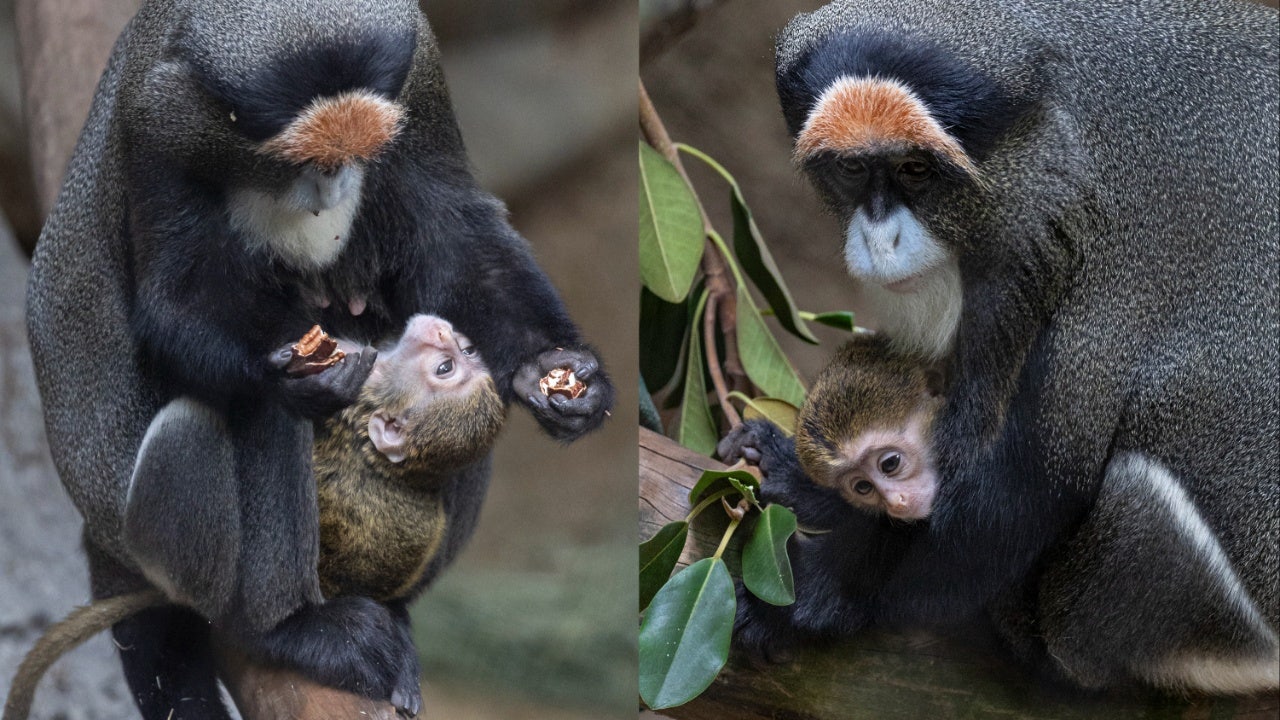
x: 537, y: 618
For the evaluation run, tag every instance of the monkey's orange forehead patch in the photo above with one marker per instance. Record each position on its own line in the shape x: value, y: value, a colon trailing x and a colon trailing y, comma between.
x: 867, y: 114
x: 333, y: 131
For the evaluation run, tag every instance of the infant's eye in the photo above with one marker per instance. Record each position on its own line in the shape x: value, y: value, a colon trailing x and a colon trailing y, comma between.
x: 890, y: 462
x: 863, y: 487
x: 469, y: 350
x: 444, y: 368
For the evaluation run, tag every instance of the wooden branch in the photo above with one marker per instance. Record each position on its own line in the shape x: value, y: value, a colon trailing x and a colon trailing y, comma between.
x: 963, y: 672
x: 262, y: 693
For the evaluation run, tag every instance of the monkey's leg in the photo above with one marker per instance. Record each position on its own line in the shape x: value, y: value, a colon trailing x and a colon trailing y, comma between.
x: 278, y: 615
x: 827, y: 603
x: 165, y: 651
x: 1144, y: 589
x: 181, y: 520
x: 411, y: 673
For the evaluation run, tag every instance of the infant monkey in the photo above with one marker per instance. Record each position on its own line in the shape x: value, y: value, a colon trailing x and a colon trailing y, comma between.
x: 865, y: 429
x: 428, y: 408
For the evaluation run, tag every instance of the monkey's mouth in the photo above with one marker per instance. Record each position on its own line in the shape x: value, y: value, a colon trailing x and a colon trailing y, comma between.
x: 910, y: 283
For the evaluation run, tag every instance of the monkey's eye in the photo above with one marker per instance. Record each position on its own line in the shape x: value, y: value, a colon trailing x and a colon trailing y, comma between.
x: 851, y: 168
x: 469, y: 350
x: 863, y: 487
x: 890, y: 462
x: 444, y: 368
x: 914, y: 173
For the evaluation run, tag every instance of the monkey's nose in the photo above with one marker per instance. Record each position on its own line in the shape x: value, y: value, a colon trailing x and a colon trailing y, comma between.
x: 430, y: 330
x: 331, y: 187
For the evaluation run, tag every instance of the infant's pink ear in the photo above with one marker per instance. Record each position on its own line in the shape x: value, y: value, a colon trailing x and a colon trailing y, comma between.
x: 387, y: 436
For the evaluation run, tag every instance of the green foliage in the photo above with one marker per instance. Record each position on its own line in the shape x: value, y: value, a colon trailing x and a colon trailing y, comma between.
x: 658, y: 557
x: 684, y: 639
x: 754, y: 256
x: 839, y: 319
x: 766, y: 569
x: 762, y: 357
x: 688, y: 617
x: 670, y: 228
x: 779, y: 412
x: 697, y: 429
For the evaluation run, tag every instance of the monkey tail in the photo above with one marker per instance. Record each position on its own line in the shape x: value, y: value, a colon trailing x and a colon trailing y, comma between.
x: 81, y: 624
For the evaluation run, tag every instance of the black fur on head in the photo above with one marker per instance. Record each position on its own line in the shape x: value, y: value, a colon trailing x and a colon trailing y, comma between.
x: 967, y: 103
x: 272, y: 97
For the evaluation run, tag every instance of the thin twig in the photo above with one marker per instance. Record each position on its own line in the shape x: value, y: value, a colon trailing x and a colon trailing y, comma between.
x: 713, y: 362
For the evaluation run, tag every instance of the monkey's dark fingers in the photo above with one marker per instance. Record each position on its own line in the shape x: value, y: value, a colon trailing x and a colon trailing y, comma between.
x: 322, y: 394
x: 743, y: 442
x: 280, y: 357
x: 581, y: 361
x: 585, y: 405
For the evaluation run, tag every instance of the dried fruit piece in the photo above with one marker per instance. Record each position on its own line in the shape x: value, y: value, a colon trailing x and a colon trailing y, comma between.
x: 314, y: 353
x: 561, y: 381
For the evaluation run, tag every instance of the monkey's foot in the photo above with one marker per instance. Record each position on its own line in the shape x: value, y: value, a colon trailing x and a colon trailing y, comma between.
x: 350, y: 643
x: 762, y: 631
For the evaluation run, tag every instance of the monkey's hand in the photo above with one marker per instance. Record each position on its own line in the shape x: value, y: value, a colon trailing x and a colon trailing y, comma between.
x: 760, y: 443
x: 765, y: 445
x: 563, y: 417
x: 324, y: 393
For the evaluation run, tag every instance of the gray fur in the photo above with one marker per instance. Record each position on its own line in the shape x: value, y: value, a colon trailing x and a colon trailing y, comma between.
x: 97, y: 410
x: 1142, y: 193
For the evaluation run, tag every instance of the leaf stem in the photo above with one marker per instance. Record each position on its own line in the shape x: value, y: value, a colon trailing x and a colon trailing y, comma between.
x: 708, y: 500
x: 728, y: 533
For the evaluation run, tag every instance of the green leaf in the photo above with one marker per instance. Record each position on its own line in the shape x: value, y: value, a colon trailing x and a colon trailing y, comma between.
x: 837, y: 319
x: 758, y: 263
x: 658, y: 557
x: 713, y: 480
x: 697, y: 429
x: 766, y: 569
x: 753, y: 253
x: 761, y: 356
x: 662, y: 329
x: 779, y: 412
x: 671, y: 232
x: 684, y: 639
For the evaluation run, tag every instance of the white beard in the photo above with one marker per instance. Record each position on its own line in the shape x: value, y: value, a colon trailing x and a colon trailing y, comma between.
x: 298, y: 237
x: 923, y: 321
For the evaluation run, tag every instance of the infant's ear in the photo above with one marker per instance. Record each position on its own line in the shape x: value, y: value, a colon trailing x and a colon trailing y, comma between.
x: 387, y: 435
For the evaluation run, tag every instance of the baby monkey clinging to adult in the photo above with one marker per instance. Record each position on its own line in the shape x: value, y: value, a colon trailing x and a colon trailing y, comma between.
x: 865, y: 429
x: 428, y: 408
x: 382, y: 466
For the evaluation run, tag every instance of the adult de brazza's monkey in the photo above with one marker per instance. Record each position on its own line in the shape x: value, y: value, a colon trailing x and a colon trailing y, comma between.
x: 428, y: 408
x: 248, y: 170
x: 1075, y: 203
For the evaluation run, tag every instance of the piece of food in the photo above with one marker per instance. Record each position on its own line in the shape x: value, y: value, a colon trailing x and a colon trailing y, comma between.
x: 561, y: 381
x: 314, y: 353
